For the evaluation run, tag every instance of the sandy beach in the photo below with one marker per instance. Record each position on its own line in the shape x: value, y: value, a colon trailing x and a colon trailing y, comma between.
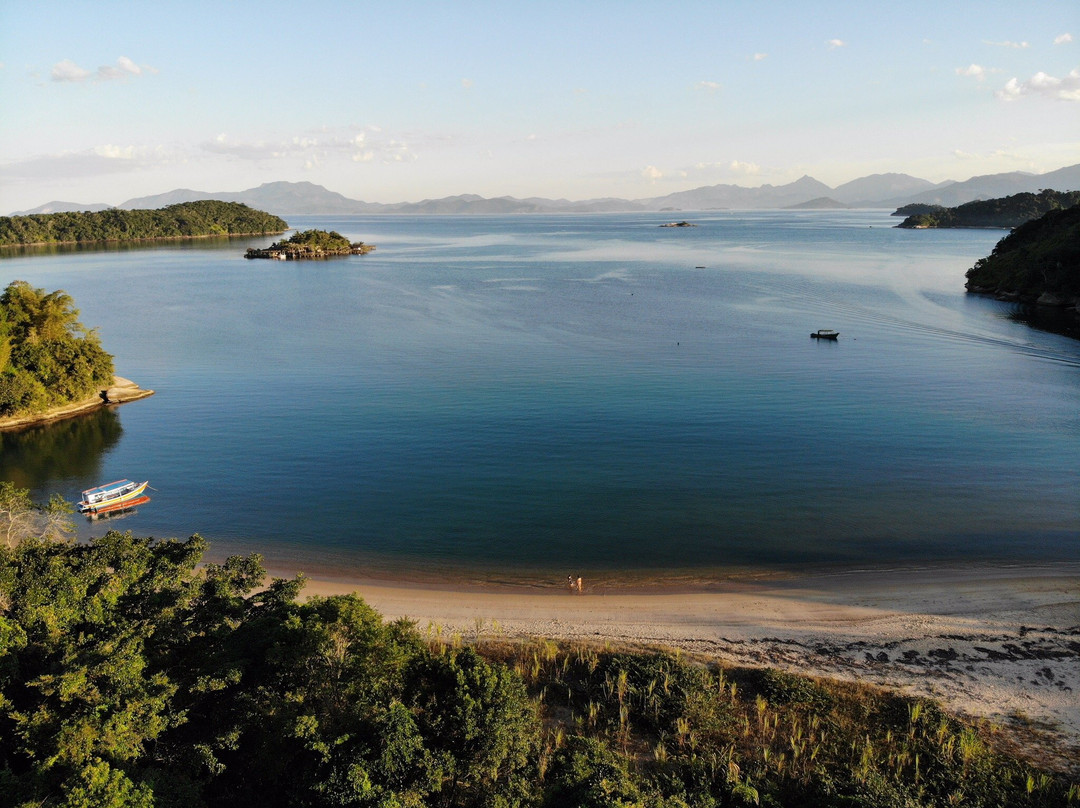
x: 994, y: 642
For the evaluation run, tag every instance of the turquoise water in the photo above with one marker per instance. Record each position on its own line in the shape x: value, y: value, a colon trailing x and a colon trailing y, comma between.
x: 585, y: 393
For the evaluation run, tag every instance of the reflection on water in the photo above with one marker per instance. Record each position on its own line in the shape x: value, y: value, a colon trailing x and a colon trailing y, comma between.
x: 1049, y: 318
x: 73, y: 447
x: 203, y: 243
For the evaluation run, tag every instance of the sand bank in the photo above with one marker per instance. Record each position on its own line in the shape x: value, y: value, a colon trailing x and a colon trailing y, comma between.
x: 121, y: 391
x: 1001, y: 643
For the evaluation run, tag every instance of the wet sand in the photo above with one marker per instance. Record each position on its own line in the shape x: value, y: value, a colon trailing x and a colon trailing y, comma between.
x: 994, y: 642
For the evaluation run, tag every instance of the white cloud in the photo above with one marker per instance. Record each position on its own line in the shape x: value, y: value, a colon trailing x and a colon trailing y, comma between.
x: 744, y: 169
x: 759, y: 56
x: 112, y: 152
x: 1063, y: 39
x: 833, y: 44
x: 973, y: 70
x: 707, y: 86
x: 1006, y: 44
x: 96, y: 162
x: 67, y: 70
x: 467, y: 83
x: 652, y: 173
x: 1063, y: 89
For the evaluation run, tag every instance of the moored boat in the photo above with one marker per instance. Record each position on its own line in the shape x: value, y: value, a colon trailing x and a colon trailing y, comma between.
x: 111, y: 496
x: 825, y: 333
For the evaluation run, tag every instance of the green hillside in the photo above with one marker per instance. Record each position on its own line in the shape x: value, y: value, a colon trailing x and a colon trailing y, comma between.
x: 185, y: 220
x: 1009, y: 211
x: 1041, y: 257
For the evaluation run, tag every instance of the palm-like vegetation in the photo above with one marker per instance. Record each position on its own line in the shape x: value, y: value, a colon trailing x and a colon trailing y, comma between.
x: 46, y: 356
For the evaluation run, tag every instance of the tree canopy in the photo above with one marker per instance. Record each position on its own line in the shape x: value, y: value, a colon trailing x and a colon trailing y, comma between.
x: 1009, y: 211
x: 1041, y: 256
x: 47, y: 357
x: 185, y: 220
x: 132, y: 674
x: 311, y: 244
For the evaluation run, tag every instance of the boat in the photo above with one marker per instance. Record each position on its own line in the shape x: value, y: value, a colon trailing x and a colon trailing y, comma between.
x: 825, y: 333
x: 111, y: 496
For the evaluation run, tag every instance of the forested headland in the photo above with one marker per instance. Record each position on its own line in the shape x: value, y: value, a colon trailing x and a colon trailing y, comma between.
x: 1009, y: 211
x: 1038, y: 262
x: 132, y: 675
x: 184, y: 220
x: 47, y: 357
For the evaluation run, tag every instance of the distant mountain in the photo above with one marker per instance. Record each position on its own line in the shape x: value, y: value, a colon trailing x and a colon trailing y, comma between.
x: 63, y: 207
x: 735, y: 196
x: 992, y: 186
x: 819, y: 203
x: 875, y: 191
x: 865, y: 190
x: 276, y: 197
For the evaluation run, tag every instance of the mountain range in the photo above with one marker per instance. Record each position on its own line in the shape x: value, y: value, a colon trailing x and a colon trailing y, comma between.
x: 874, y: 191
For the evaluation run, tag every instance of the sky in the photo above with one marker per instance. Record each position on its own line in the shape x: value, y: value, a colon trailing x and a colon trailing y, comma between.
x: 401, y: 101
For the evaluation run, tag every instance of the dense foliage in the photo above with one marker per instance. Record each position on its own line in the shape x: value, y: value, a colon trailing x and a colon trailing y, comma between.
x: 1040, y: 256
x: 47, y: 358
x: 185, y: 220
x: 129, y: 676
x: 1009, y: 211
x: 311, y: 244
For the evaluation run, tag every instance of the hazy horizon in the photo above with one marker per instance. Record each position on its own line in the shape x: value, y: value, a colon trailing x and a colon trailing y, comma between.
x: 628, y: 100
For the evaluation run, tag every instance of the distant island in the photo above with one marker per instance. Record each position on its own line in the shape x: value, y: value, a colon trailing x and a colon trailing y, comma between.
x: 1009, y: 211
x: 1039, y: 262
x: 311, y: 244
x: 678, y: 224
x: 185, y: 220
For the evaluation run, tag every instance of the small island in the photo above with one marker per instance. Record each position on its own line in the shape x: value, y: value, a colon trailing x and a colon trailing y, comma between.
x: 311, y: 244
x: 51, y: 367
x: 679, y: 224
x: 1009, y: 211
x: 182, y: 221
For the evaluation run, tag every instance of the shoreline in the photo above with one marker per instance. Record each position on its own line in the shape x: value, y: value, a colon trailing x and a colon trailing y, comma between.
x: 121, y: 391
x: 994, y: 642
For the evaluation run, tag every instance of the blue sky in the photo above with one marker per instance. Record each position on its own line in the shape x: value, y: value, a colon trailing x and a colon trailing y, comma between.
x: 387, y: 102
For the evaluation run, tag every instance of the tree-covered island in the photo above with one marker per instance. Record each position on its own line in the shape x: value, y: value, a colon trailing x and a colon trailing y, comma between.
x: 1009, y: 211
x: 133, y: 674
x: 185, y: 220
x: 310, y: 244
x: 1039, y: 262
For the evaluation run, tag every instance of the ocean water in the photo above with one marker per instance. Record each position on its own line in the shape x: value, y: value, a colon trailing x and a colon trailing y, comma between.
x: 530, y: 396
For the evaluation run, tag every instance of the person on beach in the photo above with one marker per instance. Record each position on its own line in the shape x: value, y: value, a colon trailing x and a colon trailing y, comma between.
x: 570, y: 582
x: 579, y: 585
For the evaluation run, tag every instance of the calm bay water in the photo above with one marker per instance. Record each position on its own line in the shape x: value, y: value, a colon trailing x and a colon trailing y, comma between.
x: 513, y: 395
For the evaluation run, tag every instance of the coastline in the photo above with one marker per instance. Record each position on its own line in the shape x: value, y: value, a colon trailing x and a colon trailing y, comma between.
x: 1000, y: 643
x: 121, y: 391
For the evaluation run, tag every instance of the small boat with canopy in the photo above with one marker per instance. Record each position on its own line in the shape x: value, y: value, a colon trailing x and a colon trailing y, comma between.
x: 113, y: 496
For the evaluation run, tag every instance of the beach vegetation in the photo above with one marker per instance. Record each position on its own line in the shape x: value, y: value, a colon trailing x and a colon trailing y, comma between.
x: 47, y: 357
x: 184, y: 220
x: 134, y: 673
